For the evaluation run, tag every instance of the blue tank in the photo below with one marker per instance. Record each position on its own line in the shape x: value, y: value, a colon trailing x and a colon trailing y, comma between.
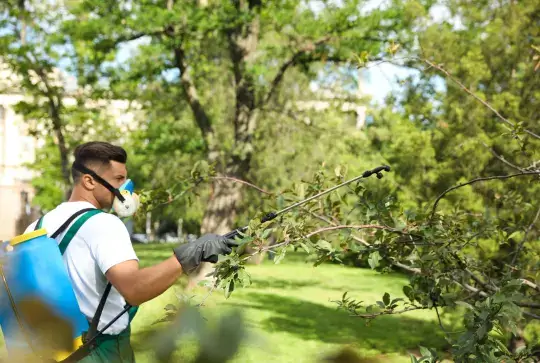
x: 31, y: 267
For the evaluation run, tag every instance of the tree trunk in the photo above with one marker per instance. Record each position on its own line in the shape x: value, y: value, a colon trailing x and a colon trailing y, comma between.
x: 219, y: 218
x: 62, y: 148
x: 220, y: 213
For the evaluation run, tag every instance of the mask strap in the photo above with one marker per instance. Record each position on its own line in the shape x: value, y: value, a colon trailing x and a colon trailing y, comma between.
x: 83, y: 169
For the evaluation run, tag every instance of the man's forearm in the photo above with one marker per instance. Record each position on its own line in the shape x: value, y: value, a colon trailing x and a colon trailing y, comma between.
x: 150, y: 282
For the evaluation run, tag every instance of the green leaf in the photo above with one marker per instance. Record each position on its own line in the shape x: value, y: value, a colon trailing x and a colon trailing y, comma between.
x: 280, y: 256
x: 395, y: 301
x: 386, y: 299
x: 408, y: 291
x: 304, y: 246
x: 229, y: 289
x: 325, y: 245
x: 425, y: 352
x: 266, y: 233
x: 374, y: 259
x: 465, y: 304
x: 413, y: 359
x: 481, y: 332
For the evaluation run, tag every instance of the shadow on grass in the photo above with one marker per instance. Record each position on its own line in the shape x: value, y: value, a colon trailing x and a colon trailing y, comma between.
x: 311, y: 321
x: 273, y: 283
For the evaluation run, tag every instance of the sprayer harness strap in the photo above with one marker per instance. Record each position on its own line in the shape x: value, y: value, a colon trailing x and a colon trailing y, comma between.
x: 86, y: 214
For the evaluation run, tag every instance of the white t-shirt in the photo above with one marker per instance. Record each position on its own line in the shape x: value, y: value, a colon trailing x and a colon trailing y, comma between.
x: 102, y: 242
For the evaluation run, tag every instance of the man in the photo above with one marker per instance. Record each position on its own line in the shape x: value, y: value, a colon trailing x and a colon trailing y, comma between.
x: 101, y: 251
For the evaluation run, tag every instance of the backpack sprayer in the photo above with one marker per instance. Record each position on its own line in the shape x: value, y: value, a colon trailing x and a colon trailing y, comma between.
x: 52, y: 270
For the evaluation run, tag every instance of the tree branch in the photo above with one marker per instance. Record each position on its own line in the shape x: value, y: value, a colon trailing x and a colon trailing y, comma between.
x: 135, y: 36
x: 534, y: 316
x: 531, y: 284
x: 360, y: 226
x: 484, y: 294
x: 241, y: 182
x: 478, y: 280
x: 533, y: 166
x: 55, y: 106
x: 501, y: 117
x: 520, y: 246
x: 201, y: 117
x: 322, y: 218
x: 470, y: 288
x: 305, y: 50
x: 374, y: 315
x: 529, y: 305
x: 477, y: 180
x: 414, y: 270
x: 279, y: 76
x: 503, y: 159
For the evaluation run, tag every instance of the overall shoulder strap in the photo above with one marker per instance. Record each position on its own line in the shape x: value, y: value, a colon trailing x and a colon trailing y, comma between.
x: 63, y: 246
x: 75, y: 227
x: 39, y: 223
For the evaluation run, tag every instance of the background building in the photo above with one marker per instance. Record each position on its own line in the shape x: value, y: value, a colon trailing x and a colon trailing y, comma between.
x: 16, y: 149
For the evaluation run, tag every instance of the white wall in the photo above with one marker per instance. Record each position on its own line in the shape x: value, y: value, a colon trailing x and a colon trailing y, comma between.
x: 16, y: 149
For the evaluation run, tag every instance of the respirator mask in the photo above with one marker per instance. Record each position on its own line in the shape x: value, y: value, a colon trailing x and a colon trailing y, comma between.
x: 125, y: 202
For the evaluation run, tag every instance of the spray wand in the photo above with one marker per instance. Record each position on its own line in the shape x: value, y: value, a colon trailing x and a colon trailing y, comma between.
x: 270, y: 216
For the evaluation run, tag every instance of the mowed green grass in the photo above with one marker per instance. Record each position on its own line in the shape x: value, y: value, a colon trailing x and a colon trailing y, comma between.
x: 290, y: 315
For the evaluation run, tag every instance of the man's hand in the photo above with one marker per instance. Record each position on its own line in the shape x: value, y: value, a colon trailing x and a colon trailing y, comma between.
x: 205, y: 249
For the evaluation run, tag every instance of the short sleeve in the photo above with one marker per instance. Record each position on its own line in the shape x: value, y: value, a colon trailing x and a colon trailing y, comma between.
x: 108, y: 240
x: 31, y: 227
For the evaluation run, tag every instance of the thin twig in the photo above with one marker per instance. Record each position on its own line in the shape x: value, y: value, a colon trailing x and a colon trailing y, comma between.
x: 207, y: 295
x: 484, y: 294
x: 530, y: 305
x: 471, y: 288
x: 322, y: 218
x: 531, y: 284
x: 531, y: 315
x: 477, y: 180
x: 414, y: 270
x: 533, y: 166
x: 440, y: 322
x: 360, y: 226
x: 463, y: 87
x: 286, y: 243
x: 520, y: 246
x: 503, y: 159
x: 242, y: 182
x: 478, y: 280
x: 369, y: 316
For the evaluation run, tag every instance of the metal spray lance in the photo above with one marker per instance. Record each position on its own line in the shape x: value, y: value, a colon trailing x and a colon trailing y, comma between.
x: 377, y: 171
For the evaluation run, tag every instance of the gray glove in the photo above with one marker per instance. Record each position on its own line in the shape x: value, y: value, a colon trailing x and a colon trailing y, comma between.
x: 205, y: 249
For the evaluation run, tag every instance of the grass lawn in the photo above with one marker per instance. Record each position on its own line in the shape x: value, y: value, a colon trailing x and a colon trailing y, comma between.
x: 288, y: 310
x: 290, y: 316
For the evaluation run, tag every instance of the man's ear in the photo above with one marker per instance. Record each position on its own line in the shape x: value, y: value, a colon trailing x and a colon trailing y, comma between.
x: 88, y: 182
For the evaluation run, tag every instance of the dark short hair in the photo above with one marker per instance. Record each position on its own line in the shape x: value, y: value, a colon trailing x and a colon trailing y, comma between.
x: 96, y: 153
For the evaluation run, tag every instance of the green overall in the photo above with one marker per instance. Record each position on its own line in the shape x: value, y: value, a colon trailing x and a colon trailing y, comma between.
x: 106, y: 347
